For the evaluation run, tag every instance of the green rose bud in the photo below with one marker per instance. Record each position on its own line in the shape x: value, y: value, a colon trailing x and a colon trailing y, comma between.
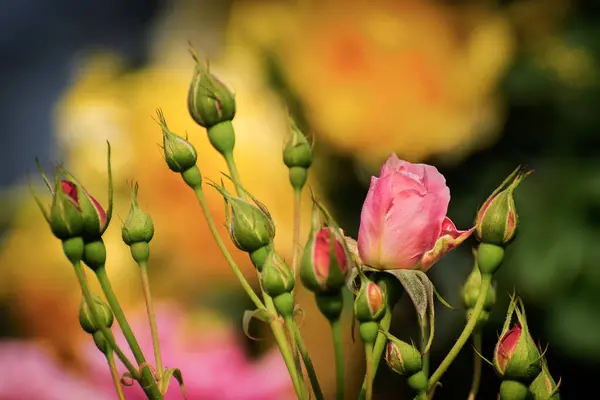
x: 402, y: 358
x: 369, y: 304
x: 250, y: 225
x: 179, y: 154
x: 544, y: 387
x: 497, y: 219
x: 138, y: 226
x: 209, y: 100
x: 297, y: 156
x: 103, y: 312
x: 516, y: 356
x: 276, y: 277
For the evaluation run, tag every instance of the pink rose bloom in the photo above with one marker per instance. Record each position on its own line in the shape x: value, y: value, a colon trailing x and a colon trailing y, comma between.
x: 210, y: 356
x: 403, y: 224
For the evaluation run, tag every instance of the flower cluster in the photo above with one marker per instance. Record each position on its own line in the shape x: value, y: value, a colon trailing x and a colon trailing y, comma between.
x: 404, y: 231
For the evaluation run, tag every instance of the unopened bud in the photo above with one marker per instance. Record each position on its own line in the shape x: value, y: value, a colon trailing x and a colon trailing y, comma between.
x: 516, y: 356
x: 369, y: 304
x: 325, y: 264
x: 402, y: 358
x: 497, y: 219
x: 250, y: 225
x: 103, y: 311
x: 544, y: 387
x: 276, y: 276
x: 180, y: 154
x: 138, y: 226
x: 209, y: 100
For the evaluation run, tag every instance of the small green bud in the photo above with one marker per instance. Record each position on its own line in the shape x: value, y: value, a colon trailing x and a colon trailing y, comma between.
x: 497, y: 219
x: 297, y: 151
x: 489, y: 258
x: 101, y: 342
x: 250, y: 225
x: 179, y: 154
x: 369, y: 304
x: 209, y: 100
x: 193, y: 178
x: 544, y: 387
x: 276, y: 277
x: 470, y: 291
x: 403, y: 358
x: 325, y: 265
x: 103, y: 311
x: 138, y: 226
x: 516, y: 356
x: 94, y: 254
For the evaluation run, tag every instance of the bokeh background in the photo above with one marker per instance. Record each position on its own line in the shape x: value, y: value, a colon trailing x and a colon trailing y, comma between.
x: 472, y: 87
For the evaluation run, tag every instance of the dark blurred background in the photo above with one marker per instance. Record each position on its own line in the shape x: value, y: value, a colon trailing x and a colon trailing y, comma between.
x: 472, y: 87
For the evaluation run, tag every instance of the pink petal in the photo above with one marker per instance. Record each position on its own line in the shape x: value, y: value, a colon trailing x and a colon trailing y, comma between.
x: 427, y: 175
x: 412, y: 226
x: 450, y: 237
x: 372, y: 218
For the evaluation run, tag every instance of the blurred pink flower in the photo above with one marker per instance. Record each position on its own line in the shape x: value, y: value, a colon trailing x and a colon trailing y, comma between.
x: 212, y: 360
x: 403, y: 224
x: 28, y: 371
x: 210, y: 356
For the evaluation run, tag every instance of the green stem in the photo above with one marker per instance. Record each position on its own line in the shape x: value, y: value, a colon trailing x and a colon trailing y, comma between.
x: 236, y: 270
x: 424, y: 340
x: 290, y: 324
x: 477, y: 344
x: 285, y: 349
x: 235, y: 175
x: 108, y: 335
x: 151, y: 316
x: 110, y: 358
x: 296, y: 240
x: 338, y: 347
x: 310, y: 369
x: 148, y: 382
x: 379, y: 347
x: 369, y: 376
x: 486, y: 280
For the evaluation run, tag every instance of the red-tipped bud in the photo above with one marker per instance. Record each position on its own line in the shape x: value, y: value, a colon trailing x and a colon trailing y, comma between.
x: 516, y: 356
x: 369, y: 304
x: 402, y: 358
x: 325, y: 265
x: 497, y: 219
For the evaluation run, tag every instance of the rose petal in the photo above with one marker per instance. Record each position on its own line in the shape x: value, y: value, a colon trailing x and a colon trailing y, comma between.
x: 450, y: 237
x: 412, y: 227
x: 427, y: 175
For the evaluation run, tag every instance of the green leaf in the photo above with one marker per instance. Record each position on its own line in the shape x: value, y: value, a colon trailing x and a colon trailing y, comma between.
x: 260, y: 314
x: 421, y: 292
x: 172, y: 373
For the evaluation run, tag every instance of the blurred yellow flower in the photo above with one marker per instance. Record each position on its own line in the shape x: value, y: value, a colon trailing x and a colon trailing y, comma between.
x: 415, y: 77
